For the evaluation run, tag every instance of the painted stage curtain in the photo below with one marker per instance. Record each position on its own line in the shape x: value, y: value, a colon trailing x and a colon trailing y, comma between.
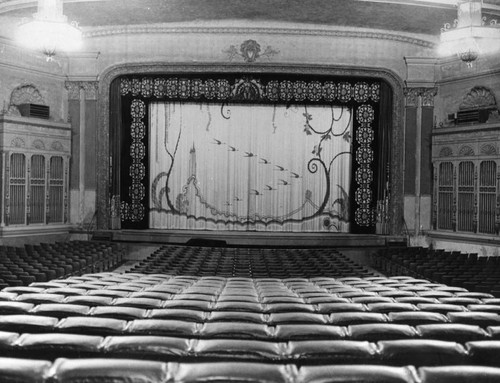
x: 261, y: 167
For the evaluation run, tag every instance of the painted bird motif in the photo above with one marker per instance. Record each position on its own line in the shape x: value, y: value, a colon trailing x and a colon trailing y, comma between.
x: 280, y: 168
x: 264, y: 161
x: 270, y: 188
x: 217, y: 142
x: 255, y: 192
x: 237, y: 199
x: 249, y: 154
x: 232, y: 148
x: 283, y: 182
x: 294, y: 175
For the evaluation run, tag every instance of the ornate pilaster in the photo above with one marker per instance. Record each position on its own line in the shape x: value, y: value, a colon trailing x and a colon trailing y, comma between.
x: 81, y: 94
x: 419, y: 101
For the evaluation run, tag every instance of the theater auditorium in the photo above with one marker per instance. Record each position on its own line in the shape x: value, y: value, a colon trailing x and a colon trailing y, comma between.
x: 257, y: 191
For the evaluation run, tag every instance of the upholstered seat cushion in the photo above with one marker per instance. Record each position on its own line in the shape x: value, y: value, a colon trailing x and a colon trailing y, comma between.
x: 355, y: 373
x: 421, y: 352
x: 23, y: 370
x: 232, y: 372
x: 147, y: 347
x: 235, y: 330
x: 164, y: 327
x: 309, y: 331
x: 237, y: 349
x: 454, y: 332
x: 375, y: 332
x: 109, y: 370
x: 332, y: 352
x: 459, y: 374
x: 484, y: 352
x: 54, y: 345
x: 27, y: 323
x: 92, y: 326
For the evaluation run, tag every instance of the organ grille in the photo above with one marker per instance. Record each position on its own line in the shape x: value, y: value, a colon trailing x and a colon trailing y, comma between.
x: 487, y: 196
x: 445, y: 196
x: 37, y: 189
x: 17, y: 190
x: 465, y: 218
x: 56, y: 189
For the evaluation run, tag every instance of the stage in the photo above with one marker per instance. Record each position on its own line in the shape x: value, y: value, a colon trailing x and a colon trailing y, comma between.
x: 249, y: 239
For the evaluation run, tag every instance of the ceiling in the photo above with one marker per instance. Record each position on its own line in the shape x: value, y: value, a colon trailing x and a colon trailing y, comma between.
x: 410, y: 16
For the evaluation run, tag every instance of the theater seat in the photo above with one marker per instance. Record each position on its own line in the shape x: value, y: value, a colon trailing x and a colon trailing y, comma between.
x: 164, y: 327
x: 459, y: 374
x: 232, y: 372
x: 486, y: 352
x: 374, y: 332
x: 356, y: 373
x: 309, y: 331
x: 108, y: 370
x: 335, y: 351
x: 452, y: 332
x: 53, y: 345
x: 421, y: 352
x: 23, y: 370
x: 237, y: 349
x: 147, y: 347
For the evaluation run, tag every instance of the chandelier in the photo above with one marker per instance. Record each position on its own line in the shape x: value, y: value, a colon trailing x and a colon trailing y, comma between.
x: 49, y: 30
x: 470, y: 34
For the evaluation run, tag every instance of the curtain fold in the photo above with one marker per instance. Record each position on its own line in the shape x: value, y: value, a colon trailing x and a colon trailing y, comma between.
x: 115, y: 139
x: 383, y: 158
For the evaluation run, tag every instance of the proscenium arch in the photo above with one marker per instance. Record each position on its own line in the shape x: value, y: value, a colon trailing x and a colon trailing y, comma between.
x: 103, y: 195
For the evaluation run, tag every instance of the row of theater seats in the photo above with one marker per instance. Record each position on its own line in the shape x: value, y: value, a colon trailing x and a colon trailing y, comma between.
x: 449, y: 267
x: 20, y: 266
x: 376, y: 320
x: 173, y: 327
x: 252, y: 263
x: 137, y: 371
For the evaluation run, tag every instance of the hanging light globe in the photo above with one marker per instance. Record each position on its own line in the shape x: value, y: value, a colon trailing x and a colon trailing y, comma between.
x: 49, y: 30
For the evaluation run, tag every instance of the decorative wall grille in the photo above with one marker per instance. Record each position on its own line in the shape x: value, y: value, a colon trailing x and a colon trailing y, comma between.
x: 467, y: 201
x: 465, y: 196
x: 445, y: 196
x: 37, y: 186
x: 487, y: 196
x: 17, y: 190
x: 56, y: 192
x: 37, y: 189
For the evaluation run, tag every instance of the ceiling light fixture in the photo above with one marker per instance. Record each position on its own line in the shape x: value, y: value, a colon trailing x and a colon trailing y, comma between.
x: 49, y: 30
x: 470, y: 34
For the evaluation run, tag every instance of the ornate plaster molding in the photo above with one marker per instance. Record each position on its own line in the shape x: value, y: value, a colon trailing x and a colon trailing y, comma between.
x: 426, y: 96
x: 250, y: 51
x: 479, y: 97
x: 90, y: 89
x: 140, y: 29
x: 103, y: 150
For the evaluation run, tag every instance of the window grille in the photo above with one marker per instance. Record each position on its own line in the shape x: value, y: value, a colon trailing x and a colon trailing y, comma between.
x: 17, y: 190
x: 465, y: 199
x: 37, y: 189
x: 487, y: 196
x: 56, y: 189
x: 445, y: 196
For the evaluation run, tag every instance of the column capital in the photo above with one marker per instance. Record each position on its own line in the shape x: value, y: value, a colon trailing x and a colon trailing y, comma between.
x: 412, y: 95
x: 90, y: 88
